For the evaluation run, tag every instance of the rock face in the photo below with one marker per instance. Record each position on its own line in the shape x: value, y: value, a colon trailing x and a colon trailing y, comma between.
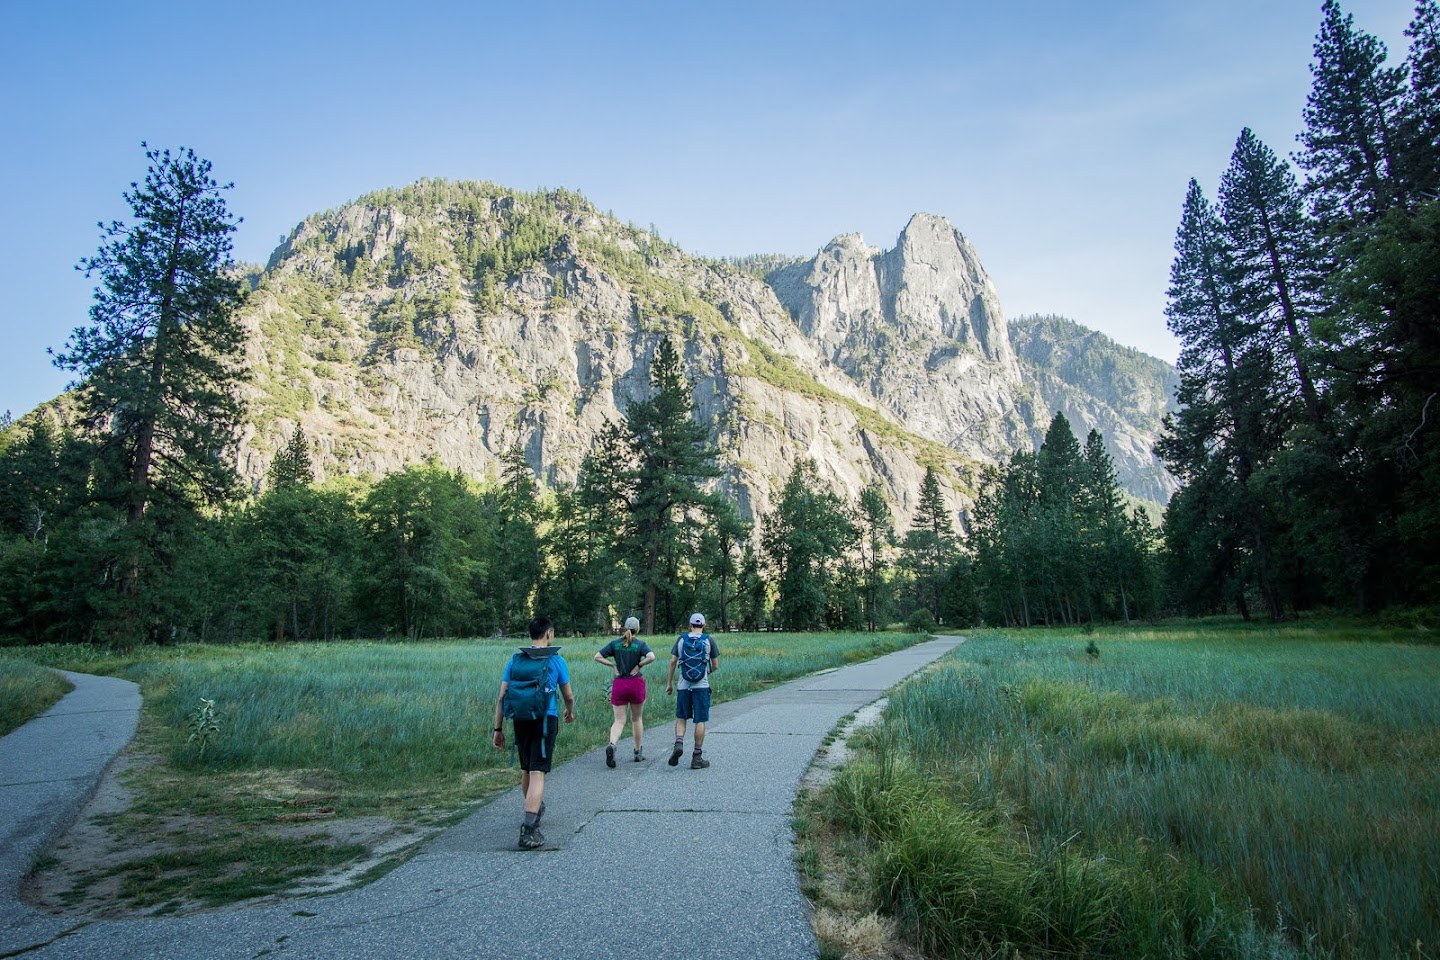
x: 920, y: 328
x: 460, y: 320
x: 1100, y: 385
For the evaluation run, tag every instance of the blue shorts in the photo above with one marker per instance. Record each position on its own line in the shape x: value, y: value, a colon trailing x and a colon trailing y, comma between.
x: 693, y: 704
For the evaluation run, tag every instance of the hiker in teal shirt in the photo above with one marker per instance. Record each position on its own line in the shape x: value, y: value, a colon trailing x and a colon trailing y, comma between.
x: 538, y: 672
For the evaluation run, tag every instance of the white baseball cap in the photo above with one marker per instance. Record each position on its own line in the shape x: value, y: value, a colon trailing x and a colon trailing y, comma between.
x: 632, y: 623
x: 697, y: 619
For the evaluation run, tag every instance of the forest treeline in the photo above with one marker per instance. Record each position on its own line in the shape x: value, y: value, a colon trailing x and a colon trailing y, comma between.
x: 1306, y: 305
x: 429, y: 552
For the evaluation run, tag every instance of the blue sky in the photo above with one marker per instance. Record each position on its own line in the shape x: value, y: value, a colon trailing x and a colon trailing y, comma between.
x: 1058, y: 136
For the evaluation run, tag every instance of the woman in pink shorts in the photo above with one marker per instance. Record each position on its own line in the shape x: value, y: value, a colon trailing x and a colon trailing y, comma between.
x: 627, y: 691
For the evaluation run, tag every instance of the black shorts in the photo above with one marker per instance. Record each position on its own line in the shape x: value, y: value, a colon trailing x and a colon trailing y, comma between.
x: 530, y: 737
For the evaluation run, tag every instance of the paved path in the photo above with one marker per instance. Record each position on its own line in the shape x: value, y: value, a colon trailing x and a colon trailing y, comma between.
x: 645, y: 860
x: 48, y: 769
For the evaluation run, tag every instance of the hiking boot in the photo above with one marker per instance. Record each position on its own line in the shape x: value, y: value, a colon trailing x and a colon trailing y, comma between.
x: 639, y: 755
x: 610, y: 755
x: 698, y: 762
x: 540, y: 814
x: 531, y: 838
x: 675, y: 754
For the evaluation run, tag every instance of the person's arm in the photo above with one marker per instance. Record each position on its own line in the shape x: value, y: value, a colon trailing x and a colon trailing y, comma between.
x: 645, y: 661
x: 599, y: 658
x: 670, y: 676
x: 499, y: 733
x: 569, y: 702
x: 714, y: 655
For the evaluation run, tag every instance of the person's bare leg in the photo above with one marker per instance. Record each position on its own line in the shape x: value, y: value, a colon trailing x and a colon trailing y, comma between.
x: 699, y: 736
x: 534, y: 792
x: 637, y: 725
x: 618, y: 726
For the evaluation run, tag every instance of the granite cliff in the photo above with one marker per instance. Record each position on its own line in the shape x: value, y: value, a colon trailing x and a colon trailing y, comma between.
x: 458, y: 320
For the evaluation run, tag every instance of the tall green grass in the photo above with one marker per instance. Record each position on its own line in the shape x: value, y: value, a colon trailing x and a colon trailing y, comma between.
x: 26, y: 691
x: 398, y: 716
x: 1188, y: 792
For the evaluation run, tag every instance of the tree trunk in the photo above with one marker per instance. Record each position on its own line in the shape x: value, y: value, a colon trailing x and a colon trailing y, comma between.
x: 650, y: 608
x: 1292, y: 328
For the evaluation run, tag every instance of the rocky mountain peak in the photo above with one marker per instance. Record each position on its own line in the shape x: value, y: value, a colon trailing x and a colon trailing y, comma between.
x: 919, y: 326
x: 461, y: 320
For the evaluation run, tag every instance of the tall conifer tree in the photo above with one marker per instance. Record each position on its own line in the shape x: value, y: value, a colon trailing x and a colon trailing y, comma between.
x: 1220, y: 435
x: 160, y: 361
x: 1350, y: 138
x: 673, y: 456
x: 1269, y: 239
x: 930, y: 543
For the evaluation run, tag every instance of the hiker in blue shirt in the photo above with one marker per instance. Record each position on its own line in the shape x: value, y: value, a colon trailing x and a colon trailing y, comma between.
x: 527, y: 696
x: 697, y: 656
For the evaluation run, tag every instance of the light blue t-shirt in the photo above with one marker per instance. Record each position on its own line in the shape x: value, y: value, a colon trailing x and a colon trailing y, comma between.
x: 560, y: 671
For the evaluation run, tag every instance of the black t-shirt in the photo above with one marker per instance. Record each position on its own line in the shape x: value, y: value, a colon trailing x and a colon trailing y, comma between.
x: 626, y: 657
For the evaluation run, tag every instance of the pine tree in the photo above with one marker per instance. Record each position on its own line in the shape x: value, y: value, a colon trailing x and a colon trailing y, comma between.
x: 1420, y: 119
x: 805, y: 538
x: 930, y: 543
x: 724, y: 535
x: 1221, y: 434
x: 673, y: 456
x: 877, y: 536
x: 161, y: 359
x: 291, y: 467
x: 159, y: 363
x: 1269, y: 239
x: 1116, y: 561
x: 518, y: 549
x: 1061, y: 472
x: 1350, y: 136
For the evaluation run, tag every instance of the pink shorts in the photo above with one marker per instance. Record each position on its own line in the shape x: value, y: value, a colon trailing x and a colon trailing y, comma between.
x: 625, y: 690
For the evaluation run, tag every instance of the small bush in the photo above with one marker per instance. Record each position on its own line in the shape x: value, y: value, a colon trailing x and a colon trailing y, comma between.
x: 921, y: 621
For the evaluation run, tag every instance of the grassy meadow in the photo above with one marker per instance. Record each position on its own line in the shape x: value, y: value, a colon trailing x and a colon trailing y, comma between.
x: 353, y: 730
x: 1205, y: 790
x: 26, y: 691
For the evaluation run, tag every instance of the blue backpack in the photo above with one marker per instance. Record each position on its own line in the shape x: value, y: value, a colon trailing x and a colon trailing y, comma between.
x: 530, y: 688
x: 694, y: 657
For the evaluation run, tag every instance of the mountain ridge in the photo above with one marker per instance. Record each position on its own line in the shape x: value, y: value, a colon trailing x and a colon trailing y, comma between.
x: 459, y: 320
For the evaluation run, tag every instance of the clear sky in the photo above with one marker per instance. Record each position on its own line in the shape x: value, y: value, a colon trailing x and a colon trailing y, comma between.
x: 1058, y: 135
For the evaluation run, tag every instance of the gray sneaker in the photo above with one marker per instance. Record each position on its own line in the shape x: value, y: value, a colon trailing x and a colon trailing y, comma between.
x: 531, y: 838
x: 639, y: 755
x: 698, y: 762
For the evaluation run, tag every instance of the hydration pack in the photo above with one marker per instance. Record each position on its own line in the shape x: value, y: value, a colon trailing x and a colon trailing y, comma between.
x: 694, y: 659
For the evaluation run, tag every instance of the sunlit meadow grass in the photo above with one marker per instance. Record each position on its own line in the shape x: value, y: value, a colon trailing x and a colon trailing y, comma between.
x: 26, y: 691
x: 1202, y: 790
x: 397, y: 729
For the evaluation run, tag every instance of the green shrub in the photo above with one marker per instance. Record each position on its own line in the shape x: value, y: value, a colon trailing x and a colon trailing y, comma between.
x: 921, y: 621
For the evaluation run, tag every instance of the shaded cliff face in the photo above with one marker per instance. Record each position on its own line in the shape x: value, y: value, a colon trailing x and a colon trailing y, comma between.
x: 456, y: 321
x: 920, y: 328
x: 1099, y: 384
